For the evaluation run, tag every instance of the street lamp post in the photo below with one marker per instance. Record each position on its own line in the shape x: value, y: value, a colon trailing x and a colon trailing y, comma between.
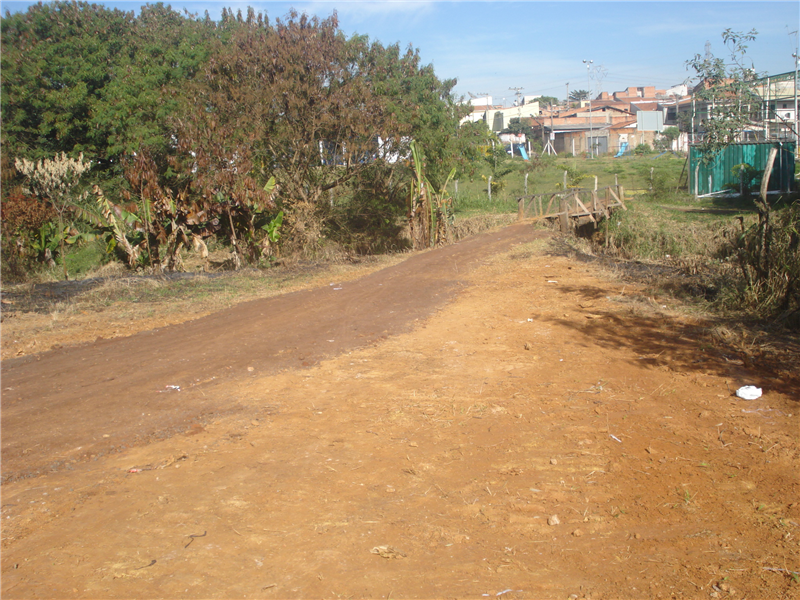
x: 588, y: 64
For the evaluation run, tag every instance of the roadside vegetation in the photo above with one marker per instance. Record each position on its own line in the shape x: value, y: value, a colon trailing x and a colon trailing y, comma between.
x: 332, y: 151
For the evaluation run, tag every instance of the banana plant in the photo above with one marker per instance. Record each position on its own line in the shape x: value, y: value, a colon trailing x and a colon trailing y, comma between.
x: 429, y: 209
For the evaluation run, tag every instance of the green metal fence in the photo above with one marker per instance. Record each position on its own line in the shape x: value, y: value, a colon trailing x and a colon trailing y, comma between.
x: 707, y: 178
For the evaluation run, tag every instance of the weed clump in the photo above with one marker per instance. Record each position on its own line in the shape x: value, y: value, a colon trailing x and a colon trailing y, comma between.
x: 764, y: 257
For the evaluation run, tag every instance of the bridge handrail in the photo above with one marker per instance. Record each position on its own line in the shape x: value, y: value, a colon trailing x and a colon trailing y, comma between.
x: 601, y: 204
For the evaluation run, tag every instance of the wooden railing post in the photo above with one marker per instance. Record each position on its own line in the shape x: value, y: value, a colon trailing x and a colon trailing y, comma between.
x: 563, y: 215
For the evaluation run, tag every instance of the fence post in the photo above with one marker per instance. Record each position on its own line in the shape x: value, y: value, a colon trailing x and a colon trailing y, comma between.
x: 489, y: 188
x: 767, y: 173
x: 526, y: 183
x: 563, y: 216
x: 565, y: 181
x: 595, y: 183
x: 520, y: 209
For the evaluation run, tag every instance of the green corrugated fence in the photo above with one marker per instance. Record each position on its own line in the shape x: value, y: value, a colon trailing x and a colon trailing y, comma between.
x: 719, y: 175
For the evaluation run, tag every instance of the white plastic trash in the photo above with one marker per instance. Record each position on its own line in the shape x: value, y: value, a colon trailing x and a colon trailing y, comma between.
x: 749, y: 392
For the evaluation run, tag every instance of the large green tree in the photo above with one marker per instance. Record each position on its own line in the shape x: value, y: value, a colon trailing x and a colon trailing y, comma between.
x: 79, y: 77
x: 191, y: 118
x: 163, y: 51
x: 421, y: 102
x: 55, y: 64
x: 292, y: 100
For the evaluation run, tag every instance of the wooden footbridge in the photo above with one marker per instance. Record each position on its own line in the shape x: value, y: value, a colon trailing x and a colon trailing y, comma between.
x: 574, y: 207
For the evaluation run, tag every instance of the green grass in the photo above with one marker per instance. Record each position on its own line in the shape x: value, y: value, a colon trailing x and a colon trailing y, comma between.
x: 85, y: 258
x: 546, y: 174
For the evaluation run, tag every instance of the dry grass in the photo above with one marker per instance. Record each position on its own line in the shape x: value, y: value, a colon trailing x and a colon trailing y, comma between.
x: 34, y: 321
x: 47, y: 313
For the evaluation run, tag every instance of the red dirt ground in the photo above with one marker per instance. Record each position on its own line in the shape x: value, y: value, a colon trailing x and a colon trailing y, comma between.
x: 482, y: 420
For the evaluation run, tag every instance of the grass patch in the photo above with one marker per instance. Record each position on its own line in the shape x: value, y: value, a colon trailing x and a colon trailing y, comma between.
x: 650, y: 230
x: 546, y: 174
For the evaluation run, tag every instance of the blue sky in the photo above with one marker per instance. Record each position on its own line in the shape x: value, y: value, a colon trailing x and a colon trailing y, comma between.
x: 539, y: 46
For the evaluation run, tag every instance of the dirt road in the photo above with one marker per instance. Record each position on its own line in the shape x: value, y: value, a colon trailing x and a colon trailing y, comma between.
x: 484, y: 420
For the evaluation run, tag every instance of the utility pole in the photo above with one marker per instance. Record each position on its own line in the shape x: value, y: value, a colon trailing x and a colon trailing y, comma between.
x: 796, y: 121
x: 517, y: 92
x: 588, y: 64
x: 568, y: 95
x: 796, y: 132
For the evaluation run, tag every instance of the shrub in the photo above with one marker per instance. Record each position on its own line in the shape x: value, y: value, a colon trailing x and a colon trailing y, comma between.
x: 767, y: 256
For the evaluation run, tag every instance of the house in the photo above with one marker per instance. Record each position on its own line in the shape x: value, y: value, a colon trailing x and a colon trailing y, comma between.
x: 498, y: 117
x: 778, y: 94
x: 773, y: 117
x: 634, y: 116
x: 577, y: 138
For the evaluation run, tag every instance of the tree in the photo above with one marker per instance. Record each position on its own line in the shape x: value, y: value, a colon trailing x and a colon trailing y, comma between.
x: 108, y: 102
x: 423, y: 105
x: 520, y: 126
x: 300, y: 102
x: 768, y: 252
x: 190, y: 119
x: 666, y: 138
x: 49, y: 95
x: 548, y: 101
x: 727, y: 92
x: 290, y: 101
x: 162, y: 52
x: 578, y: 95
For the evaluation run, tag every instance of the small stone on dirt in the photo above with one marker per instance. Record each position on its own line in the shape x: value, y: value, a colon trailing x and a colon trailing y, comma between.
x: 387, y: 552
x: 553, y: 520
x: 577, y: 533
x: 553, y: 461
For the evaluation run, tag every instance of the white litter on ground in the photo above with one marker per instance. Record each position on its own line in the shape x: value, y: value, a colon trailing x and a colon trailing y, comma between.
x: 749, y: 392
